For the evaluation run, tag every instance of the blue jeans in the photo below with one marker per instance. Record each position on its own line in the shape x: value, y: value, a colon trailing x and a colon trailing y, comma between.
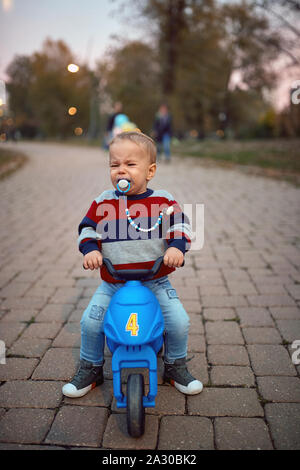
x: 176, y: 319
x: 165, y: 145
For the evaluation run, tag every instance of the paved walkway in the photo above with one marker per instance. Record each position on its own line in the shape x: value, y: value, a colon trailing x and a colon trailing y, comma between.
x: 242, y: 292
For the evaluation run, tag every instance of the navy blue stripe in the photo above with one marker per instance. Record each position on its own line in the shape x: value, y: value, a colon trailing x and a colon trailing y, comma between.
x: 88, y: 246
x: 86, y: 222
x: 178, y: 243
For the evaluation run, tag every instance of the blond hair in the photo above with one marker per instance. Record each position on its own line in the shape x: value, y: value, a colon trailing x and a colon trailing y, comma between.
x: 140, y: 139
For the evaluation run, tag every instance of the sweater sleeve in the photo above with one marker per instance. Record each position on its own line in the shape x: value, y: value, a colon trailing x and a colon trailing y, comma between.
x: 89, y: 239
x: 179, y: 234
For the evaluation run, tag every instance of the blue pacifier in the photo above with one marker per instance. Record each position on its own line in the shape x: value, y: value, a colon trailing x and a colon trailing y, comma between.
x: 123, y: 186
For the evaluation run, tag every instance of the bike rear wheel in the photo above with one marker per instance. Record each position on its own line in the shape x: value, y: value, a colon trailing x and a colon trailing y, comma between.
x: 135, y: 409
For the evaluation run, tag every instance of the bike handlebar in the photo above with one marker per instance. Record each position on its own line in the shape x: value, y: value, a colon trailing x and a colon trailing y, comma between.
x: 133, y: 274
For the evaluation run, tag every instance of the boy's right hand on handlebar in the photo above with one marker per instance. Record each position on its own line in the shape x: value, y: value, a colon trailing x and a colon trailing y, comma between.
x: 93, y: 260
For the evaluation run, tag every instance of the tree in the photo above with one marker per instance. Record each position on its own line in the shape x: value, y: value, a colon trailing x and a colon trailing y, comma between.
x: 130, y: 75
x: 42, y: 90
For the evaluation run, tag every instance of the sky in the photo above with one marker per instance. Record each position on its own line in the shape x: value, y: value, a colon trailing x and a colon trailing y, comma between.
x: 85, y: 25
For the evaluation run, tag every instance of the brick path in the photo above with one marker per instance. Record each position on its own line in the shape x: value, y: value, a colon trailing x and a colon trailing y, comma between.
x: 242, y: 292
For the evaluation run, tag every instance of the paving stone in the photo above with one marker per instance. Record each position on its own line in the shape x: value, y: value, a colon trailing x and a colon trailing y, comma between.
x: 241, y: 287
x: 57, y: 364
x: 279, y: 389
x: 223, y: 301
x: 294, y: 290
x: 285, y: 313
x: 233, y: 275
x: 55, y: 313
x: 25, y: 425
x: 219, y: 314
x: 270, y: 359
x: 99, y: 396
x: 20, y: 315
x: 196, y: 324
x: 227, y: 355
x: 242, y: 434
x: 31, y: 394
x: 270, y: 300
x: 289, y: 329
x: 76, y: 315
x: 117, y: 437
x: 30, y: 447
x: 91, y: 283
x: 284, y: 422
x: 225, y: 402
x: 78, y: 426
x: 252, y: 316
x: 15, y: 289
x: 82, y: 304
x: 42, y: 330
x: 187, y: 293
x: 41, y: 292
x: 208, y: 290
x: 68, y: 337
x: 30, y: 347
x: 262, y: 335
x: 188, y: 433
x: 196, y: 343
x: 17, y: 368
x: 232, y: 375
x: 223, y: 332
x: 192, y: 306
x: 24, y: 302
x: 10, y: 332
x: 69, y: 295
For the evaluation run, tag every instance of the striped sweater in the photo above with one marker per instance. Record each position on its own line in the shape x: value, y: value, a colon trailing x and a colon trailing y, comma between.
x: 106, y: 228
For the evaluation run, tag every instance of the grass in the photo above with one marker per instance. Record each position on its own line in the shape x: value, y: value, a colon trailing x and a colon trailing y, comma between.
x: 277, y: 157
x: 10, y: 161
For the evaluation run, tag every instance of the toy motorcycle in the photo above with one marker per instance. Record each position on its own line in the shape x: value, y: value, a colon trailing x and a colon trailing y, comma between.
x: 134, y: 327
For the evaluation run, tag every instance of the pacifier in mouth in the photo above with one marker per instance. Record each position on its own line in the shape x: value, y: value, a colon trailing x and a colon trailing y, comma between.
x: 123, y: 185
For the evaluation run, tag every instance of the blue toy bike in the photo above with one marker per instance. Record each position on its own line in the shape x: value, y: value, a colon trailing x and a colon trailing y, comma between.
x: 134, y: 327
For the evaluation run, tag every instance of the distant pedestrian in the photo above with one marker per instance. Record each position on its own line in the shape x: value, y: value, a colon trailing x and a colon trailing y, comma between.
x: 111, y: 122
x: 162, y: 130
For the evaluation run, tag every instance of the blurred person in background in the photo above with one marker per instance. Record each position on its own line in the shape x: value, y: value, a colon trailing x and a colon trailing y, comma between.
x: 162, y: 131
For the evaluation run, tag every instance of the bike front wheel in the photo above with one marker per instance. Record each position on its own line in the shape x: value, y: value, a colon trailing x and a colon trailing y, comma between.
x: 135, y: 409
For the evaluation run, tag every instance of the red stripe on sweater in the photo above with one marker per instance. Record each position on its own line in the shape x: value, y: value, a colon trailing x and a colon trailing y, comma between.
x: 164, y: 270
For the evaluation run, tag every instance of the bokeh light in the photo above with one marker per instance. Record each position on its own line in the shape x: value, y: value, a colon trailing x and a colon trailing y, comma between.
x: 78, y: 131
x: 72, y: 110
x: 73, y: 68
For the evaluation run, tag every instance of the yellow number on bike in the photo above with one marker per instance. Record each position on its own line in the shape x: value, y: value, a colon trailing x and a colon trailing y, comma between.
x: 132, y: 324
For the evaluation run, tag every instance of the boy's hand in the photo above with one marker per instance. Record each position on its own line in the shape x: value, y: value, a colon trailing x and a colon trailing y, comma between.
x: 173, y: 257
x: 92, y: 260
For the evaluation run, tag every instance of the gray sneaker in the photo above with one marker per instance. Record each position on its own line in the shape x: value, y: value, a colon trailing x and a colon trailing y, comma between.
x: 178, y: 375
x: 86, y: 378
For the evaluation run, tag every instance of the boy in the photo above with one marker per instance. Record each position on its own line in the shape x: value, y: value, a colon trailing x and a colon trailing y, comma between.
x: 106, y: 232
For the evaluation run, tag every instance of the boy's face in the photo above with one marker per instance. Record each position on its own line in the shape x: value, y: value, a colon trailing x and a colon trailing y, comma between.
x: 131, y: 162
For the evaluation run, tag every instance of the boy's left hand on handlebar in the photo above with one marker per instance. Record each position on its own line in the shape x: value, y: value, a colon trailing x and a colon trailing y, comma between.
x: 173, y: 257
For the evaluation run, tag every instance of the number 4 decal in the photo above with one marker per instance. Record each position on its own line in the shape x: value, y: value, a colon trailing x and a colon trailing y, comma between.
x: 132, y: 324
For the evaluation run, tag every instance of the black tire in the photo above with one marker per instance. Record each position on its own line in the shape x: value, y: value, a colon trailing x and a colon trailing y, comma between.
x: 135, y: 409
